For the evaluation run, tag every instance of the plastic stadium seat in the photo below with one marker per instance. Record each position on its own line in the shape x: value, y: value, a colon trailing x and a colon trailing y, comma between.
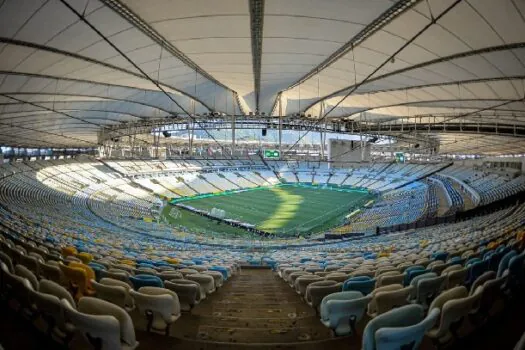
x: 294, y: 275
x: 78, y: 280
x: 86, y: 258
x: 187, y: 291
x: 103, y: 321
x: 403, y: 337
x: 97, y: 268
x: 400, y: 328
x: 140, y: 281
x: 89, y: 271
x: 302, y: 282
x: 316, y: 291
x: 337, y: 276
x: 6, y: 259
x: 428, y: 288
x: 170, y: 275
x: 388, y: 300
x: 117, y: 275
x: 442, y: 256
x: 504, y: 262
x: 114, y: 293
x: 24, y: 272
x: 221, y: 269
x: 160, y: 306
x: 67, y: 251
x: 341, y: 311
x: 388, y: 278
x: 477, y: 269
x: 362, y: 284
x: 206, y: 282
x: 372, y: 306
x: 32, y: 263
x: 217, y: 277
x: 516, y: 272
x: 51, y: 309
x: 52, y: 288
x: 454, y: 305
x: 413, y: 271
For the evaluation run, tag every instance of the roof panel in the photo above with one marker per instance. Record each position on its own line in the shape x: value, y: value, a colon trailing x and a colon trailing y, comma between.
x: 48, y: 21
x: 14, y: 13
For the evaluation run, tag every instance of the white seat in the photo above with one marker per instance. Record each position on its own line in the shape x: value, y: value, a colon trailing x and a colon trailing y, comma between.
x: 53, y: 288
x: 206, y: 282
x: 160, y: 306
x: 100, y: 320
x: 187, y: 291
x: 342, y: 310
x: 218, y: 278
x: 52, y: 311
x: 316, y: 291
x: 113, y: 293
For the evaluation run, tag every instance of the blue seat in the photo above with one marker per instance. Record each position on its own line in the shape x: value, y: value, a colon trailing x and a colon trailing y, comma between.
x: 472, y: 261
x: 439, y: 256
x: 516, y: 272
x: 456, y: 260
x: 342, y: 310
x: 414, y: 273
x: 504, y: 263
x: 146, y: 265
x: 97, y: 268
x: 362, y: 284
x: 410, y: 272
x: 401, y: 328
x: 477, y: 269
x: 220, y: 269
x: 139, y: 281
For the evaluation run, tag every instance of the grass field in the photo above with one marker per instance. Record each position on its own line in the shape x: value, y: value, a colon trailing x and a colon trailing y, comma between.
x: 282, y: 210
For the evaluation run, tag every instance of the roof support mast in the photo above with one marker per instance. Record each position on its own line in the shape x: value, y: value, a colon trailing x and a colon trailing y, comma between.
x: 256, y: 26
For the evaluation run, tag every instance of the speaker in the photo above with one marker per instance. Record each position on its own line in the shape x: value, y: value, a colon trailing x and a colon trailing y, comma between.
x: 166, y: 134
x: 263, y: 132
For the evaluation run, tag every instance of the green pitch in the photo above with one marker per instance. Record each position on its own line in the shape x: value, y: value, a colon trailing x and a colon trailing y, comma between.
x: 282, y: 210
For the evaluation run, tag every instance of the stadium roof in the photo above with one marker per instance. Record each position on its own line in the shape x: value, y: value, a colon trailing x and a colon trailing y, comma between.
x: 69, y: 67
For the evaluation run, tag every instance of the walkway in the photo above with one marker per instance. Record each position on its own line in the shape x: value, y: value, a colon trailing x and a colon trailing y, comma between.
x: 254, y: 307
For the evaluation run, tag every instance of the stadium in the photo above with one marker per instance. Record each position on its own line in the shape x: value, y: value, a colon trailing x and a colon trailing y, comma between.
x: 262, y: 174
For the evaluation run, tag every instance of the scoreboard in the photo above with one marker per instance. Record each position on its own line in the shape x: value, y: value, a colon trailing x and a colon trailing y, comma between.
x: 272, y: 154
x: 400, y: 157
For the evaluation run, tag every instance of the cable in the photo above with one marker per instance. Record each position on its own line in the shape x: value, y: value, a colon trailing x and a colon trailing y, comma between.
x: 355, y: 87
x: 145, y: 75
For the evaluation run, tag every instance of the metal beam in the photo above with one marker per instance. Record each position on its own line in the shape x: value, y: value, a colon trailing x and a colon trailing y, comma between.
x: 386, y: 17
x: 126, y: 13
x: 256, y: 28
x: 104, y: 64
x: 426, y: 64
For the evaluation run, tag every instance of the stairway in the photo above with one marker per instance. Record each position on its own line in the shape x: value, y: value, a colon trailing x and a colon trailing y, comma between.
x: 256, y: 307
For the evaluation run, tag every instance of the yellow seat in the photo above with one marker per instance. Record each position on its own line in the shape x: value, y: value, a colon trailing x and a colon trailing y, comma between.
x: 67, y: 251
x: 127, y: 262
x: 77, y: 280
x: 89, y: 271
x: 85, y: 257
x: 173, y: 261
x: 383, y: 254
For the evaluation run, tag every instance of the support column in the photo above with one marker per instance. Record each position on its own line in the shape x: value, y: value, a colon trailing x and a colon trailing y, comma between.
x: 233, y: 124
x: 361, y: 134
x: 190, y: 136
x: 323, y: 130
x: 280, y: 126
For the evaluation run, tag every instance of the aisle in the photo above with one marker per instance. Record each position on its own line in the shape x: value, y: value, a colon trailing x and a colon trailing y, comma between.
x: 254, y: 307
